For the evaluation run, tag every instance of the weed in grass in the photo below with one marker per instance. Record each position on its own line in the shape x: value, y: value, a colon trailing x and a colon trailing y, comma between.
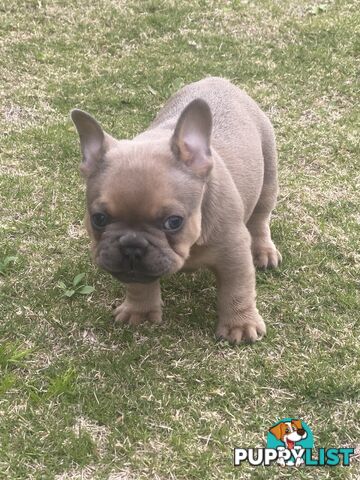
x: 77, y: 287
x: 6, y: 263
x: 12, y: 355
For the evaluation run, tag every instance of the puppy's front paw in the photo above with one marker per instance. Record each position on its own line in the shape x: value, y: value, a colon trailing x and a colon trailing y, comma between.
x: 266, y: 256
x: 247, y: 327
x: 130, y: 315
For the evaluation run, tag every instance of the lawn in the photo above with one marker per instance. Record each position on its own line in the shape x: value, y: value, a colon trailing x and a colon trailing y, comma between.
x: 82, y: 398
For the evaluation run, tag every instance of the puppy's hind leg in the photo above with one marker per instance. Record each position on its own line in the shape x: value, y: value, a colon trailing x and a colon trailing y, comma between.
x: 265, y: 254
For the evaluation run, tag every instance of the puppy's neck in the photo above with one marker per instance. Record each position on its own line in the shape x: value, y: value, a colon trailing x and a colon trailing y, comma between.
x: 218, y: 202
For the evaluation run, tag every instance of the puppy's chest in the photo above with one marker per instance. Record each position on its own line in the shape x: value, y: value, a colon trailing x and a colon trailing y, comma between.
x: 200, y: 256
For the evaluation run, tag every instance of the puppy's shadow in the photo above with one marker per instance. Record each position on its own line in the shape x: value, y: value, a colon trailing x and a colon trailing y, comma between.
x: 190, y: 303
x: 189, y: 310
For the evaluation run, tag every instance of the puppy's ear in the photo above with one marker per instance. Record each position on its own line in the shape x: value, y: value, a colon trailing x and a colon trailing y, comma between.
x: 297, y: 423
x: 191, y: 140
x: 92, y: 140
x: 277, y: 431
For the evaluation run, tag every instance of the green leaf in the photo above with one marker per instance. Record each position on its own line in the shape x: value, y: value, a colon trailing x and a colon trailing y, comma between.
x: 78, y: 279
x: 62, y: 285
x: 7, y: 260
x: 4, y: 263
x: 69, y: 293
x: 86, y: 289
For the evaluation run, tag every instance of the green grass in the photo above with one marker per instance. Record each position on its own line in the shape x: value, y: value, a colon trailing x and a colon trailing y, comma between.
x: 81, y: 398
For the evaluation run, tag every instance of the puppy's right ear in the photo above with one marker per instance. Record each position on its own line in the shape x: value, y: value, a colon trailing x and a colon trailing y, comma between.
x: 92, y: 139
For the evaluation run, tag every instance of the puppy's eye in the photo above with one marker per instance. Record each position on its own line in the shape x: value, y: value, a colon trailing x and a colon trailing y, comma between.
x: 99, y: 220
x: 173, y: 223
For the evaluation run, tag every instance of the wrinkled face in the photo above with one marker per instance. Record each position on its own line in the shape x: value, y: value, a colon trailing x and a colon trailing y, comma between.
x: 144, y: 197
x: 144, y: 212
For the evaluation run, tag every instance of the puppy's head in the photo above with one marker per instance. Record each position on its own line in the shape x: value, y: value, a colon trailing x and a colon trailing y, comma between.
x: 289, y: 432
x: 144, y: 196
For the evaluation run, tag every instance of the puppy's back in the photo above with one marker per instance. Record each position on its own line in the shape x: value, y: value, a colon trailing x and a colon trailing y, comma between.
x: 241, y: 131
x: 229, y: 106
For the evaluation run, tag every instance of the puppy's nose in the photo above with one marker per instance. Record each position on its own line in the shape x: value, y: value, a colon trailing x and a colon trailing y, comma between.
x: 133, y: 246
x: 301, y: 431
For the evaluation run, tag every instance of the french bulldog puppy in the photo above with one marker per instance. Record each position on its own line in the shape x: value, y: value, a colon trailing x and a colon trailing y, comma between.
x: 196, y: 189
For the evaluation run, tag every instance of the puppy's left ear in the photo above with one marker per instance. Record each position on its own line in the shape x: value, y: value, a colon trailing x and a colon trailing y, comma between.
x: 190, y: 142
x: 92, y: 140
x: 276, y: 431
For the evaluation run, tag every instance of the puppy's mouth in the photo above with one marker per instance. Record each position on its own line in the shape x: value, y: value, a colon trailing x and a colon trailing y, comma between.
x: 134, y: 277
x: 131, y: 275
x: 290, y: 444
x: 133, y: 264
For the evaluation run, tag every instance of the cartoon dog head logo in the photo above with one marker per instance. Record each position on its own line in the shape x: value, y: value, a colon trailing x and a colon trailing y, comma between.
x: 289, y: 432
